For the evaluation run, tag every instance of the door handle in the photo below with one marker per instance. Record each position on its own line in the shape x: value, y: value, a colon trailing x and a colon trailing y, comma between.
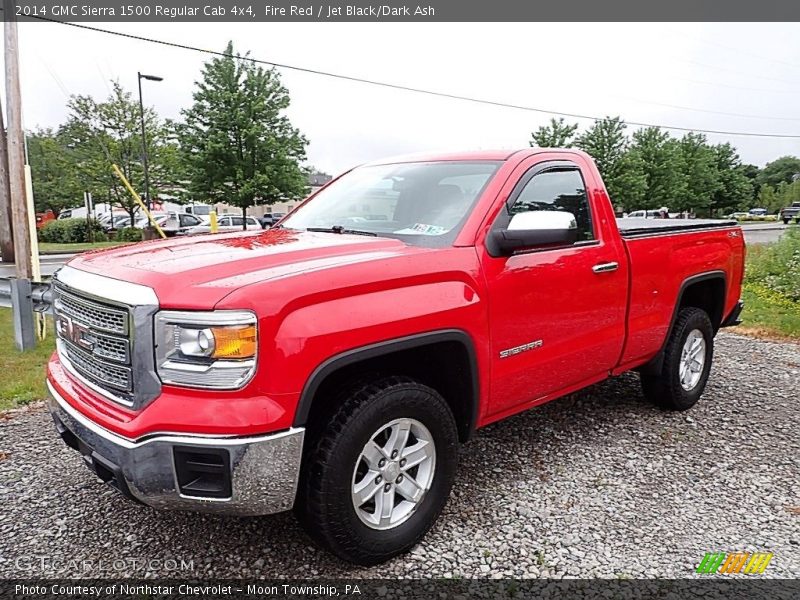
x: 605, y: 267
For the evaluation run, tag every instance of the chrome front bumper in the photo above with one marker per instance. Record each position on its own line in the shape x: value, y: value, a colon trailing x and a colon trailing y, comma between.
x: 262, y: 471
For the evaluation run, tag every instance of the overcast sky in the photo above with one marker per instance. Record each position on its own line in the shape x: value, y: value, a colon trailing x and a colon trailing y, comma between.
x: 632, y: 70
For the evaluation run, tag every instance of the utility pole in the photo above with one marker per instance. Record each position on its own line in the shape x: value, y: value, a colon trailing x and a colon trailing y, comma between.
x: 148, y: 232
x: 21, y: 302
x: 16, y: 149
x: 6, y: 234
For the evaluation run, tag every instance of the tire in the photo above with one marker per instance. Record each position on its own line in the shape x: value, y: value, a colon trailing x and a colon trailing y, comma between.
x: 786, y: 221
x: 666, y: 389
x: 334, y: 465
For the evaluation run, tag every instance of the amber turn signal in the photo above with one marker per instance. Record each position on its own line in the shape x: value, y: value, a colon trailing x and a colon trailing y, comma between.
x: 234, y: 341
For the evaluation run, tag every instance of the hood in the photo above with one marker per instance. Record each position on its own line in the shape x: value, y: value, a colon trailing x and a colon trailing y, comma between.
x: 198, y: 271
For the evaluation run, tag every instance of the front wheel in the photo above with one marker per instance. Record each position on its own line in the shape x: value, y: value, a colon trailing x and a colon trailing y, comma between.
x: 687, y: 362
x: 376, y: 478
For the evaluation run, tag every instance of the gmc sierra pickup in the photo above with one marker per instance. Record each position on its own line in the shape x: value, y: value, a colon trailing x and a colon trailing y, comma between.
x: 335, y: 362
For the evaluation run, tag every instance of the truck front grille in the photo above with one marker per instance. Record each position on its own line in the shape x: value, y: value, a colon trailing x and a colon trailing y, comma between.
x: 94, y: 341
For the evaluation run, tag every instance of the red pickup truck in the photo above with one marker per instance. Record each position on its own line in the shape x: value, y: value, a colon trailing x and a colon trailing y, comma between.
x: 334, y: 362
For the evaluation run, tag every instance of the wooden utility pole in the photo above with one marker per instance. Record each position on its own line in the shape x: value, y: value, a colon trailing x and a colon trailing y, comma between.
x: 6, y: 235
x: 16, y: 148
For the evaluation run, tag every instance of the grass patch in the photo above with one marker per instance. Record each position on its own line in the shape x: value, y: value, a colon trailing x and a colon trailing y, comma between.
x: 768, y: 313
x: 772, y: 288
x: 23, y: 376
x: 53, y: 248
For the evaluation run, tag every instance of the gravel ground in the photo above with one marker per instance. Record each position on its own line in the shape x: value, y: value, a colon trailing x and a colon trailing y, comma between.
x: 599, y: 484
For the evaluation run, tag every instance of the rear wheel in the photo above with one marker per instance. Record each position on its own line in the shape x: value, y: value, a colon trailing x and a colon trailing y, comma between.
x: 376, y: 478
x: 687, y: 362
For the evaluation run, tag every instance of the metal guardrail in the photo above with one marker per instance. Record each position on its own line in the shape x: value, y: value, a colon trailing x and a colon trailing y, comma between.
x: 41, y: 295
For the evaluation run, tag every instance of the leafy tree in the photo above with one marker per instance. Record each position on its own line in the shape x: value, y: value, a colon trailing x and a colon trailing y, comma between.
x: 55, y: 182
x: 99, y: 134
x: 735, y: 190
x: 607, y: 144
x: 236, y: 143
x: 657, y: 158
x: 768, y: 198
x: 780, y: 170
x: 699, y: 166
x: 752, y: 172
x: 557, y: 134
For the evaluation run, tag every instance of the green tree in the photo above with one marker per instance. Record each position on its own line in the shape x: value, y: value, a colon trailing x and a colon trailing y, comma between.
x: 735, y: 191
x: 237, y: 145
x: 699, y: 166
x: 55, y: 182
x: 557, y: 134
x: 657, y: 158
x: 769, y: 199
x: 779, y: 170
x: 607, y: 144
x: 99, y: 134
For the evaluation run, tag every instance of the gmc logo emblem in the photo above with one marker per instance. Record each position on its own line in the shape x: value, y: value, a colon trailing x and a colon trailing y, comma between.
x: 74, y: 332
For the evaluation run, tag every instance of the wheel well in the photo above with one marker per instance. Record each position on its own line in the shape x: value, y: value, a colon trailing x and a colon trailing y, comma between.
x: 707, y: 294
x: 446, y: 365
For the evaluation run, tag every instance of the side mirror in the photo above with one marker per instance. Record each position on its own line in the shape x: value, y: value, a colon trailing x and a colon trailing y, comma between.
x: 532, y: 229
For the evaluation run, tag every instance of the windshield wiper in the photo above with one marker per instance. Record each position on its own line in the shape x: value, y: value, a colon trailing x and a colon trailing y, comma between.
x: 340, y: 230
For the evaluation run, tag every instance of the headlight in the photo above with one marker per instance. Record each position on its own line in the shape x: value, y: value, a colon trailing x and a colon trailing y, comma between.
x: 206, y: 349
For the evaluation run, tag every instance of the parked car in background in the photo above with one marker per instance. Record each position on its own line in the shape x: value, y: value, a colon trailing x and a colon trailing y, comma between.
x: 757, y: 212
x: 172, y: 223
x: 738, y: 215
x: 791, y: 213
x: 269, y: 219
x: 643, y: 214
x: 116, y: 222
x: 226, y: 223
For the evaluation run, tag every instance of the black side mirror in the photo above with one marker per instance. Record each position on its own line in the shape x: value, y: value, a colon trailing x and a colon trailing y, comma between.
x: 533, y: 229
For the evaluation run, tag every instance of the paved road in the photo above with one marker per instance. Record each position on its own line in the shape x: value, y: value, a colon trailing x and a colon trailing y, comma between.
x: 763, y: 233
x: 598, y: 484
x: 50, y: 263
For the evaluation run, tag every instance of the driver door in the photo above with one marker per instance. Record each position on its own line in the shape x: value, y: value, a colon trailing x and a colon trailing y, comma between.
x: 558, y: 322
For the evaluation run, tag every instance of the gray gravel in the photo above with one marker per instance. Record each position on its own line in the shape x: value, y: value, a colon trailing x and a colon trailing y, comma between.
x: 596, y: 484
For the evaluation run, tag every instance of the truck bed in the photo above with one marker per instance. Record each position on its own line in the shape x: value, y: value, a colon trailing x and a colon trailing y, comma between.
x: 636, y: 227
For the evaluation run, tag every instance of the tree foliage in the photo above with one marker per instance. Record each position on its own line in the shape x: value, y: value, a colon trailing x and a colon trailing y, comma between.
x: 56, y: 185
x: 651, y: 169
x: 780, y: 170
x: 557, y: 134
x: 236, y: 143
x: 607, y: 143
x: 99, y: 134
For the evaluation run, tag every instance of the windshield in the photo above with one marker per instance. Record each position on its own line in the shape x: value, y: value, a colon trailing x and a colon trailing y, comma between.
x: 199, y: 209
x: 423, y: 203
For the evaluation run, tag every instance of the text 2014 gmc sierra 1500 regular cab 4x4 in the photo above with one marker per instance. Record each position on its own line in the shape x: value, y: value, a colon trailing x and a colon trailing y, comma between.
x: 335, y: 362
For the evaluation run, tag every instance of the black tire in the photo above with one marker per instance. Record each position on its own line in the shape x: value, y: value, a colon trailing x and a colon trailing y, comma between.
x: 665, y: 389
x: 324, y: 505
x: 786, y: 221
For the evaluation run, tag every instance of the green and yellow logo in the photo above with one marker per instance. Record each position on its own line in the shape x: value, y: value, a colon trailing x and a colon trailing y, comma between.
x: 737, y: 562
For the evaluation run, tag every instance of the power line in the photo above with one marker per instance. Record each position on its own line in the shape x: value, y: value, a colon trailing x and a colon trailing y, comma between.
x: 406, y: 88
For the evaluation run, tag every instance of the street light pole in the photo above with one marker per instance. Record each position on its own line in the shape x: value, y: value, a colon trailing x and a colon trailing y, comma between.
x: 144, y: 138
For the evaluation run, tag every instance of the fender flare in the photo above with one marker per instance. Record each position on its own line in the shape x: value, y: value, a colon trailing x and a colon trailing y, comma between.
x: 655, y: 364
x: 360, y: 354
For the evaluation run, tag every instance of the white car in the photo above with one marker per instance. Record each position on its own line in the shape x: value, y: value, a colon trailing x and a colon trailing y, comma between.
x: 644, y: 214
x: 227, y: 223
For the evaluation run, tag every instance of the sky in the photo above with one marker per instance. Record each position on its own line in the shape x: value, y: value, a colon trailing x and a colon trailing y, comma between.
x: 732, y: 77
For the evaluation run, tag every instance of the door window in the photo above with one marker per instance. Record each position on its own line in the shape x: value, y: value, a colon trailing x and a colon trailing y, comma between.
x: 557, y: 189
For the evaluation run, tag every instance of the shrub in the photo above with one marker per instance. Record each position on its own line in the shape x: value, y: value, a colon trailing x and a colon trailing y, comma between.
x: 72, y: 231
x: 777, y: 266
x: 129, y: 234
